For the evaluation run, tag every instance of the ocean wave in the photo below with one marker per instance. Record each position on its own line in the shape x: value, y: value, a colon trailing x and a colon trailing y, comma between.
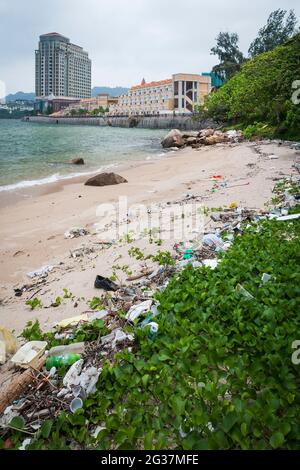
x: 52, y: 179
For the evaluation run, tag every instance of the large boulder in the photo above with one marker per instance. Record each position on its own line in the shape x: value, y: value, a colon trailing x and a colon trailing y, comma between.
x: 215, y: 139
x: 173, y: 139
x: 77, y: 161
x: 206, y: 132
x: 191, y: 140
x: 105, y: 179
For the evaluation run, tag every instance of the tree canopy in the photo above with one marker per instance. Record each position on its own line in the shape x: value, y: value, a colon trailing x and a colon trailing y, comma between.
x: 277, y: 31
x: 230, y: 56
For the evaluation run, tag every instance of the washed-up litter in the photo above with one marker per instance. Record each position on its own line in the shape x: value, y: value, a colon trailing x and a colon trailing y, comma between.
x: 136, y: 310
x: 76, y: 404
x: 62, y: 360
x: 105, y: 283
x: 8, y: 414
x: 153, y: 329
x: 80, y: 252
x: 288, y: 217
x: 76, y: 232
x: 8, y: 343
x: 25, y: 443
x: 296, y: 146
x: 98, y: 315
x: 44, y: 271
x: 85, y: 377
x: 242, y: 291
x: 273, y: 157
x: 76, y: 348
x: 211, y: 239
x: 115, y: 337
x: 73, y: 321
x: 265, y: 278
x: 29, y: 354
x: 188, y: 254
x: 211, y: 263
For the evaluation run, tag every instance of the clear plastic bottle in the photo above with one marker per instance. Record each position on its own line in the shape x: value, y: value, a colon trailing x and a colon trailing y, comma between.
x: 76, y: 348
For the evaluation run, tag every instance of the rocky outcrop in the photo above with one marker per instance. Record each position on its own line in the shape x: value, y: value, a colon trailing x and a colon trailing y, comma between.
x: 77, y: 161
x: 204, y: 137
x: 105, y: 179
x: 173, y: 139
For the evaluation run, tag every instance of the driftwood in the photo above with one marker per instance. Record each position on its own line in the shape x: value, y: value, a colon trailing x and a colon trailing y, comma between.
x: 18, y: 384
x: 138, y: 276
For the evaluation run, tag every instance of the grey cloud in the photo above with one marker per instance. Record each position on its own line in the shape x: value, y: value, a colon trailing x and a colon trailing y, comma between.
x: 127, y: 39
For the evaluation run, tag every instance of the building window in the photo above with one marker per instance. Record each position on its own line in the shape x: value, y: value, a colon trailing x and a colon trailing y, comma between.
x: 175, y: 88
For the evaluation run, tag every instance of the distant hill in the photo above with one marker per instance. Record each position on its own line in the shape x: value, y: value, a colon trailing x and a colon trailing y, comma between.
x: 111, y: 91
x: 20, y: 95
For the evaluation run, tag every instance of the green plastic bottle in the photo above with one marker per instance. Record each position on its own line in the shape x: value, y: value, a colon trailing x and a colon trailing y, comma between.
x: 58, y: 361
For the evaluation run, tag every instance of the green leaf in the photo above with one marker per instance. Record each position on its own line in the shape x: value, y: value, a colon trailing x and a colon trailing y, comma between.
x: 163, y: 357
x: 145, y: 379
x: 178, y: 405
x: 17, y: 422
x: 244, y: 429
x: 46, y: 428
x: 277, y: 439
x: 229, y: 421
x: 148, y: 440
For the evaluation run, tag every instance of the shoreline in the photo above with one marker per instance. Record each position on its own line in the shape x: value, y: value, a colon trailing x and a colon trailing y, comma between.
x: 32, y: 229
x: 13, y: 195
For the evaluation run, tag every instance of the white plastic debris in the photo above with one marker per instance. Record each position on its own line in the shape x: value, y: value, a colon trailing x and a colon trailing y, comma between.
x: 242, y: 291
x: 288, y: 217
x: 63, y: 350
x: 273, y: 157
x: 115, y: 337
x: 136, y: 310
x: 211, y: 263
x: 76, y: 232
x: 45, y: 270
x: 8, y: 414
x: 25, y: 443
x: 265, y: 278
x: 76, y: 404
x: 213, y: 240
x: 98, y: 315
x: 97, y: 430
x: 85, y: 378
x: 29, y: 353
x: 71, y: 379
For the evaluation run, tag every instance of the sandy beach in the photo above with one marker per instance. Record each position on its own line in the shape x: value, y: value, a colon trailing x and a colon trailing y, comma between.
x: 33, y: 222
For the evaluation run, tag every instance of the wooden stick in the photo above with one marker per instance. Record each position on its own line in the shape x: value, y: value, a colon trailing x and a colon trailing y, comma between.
x: 17, y: 386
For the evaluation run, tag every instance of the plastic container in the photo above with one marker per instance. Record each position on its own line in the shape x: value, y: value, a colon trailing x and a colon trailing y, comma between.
x: 58, y: 361
x: 29, y: 353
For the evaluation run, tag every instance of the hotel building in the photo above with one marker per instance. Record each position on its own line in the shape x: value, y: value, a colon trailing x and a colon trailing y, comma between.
x: 177, y: 95
x: 62, y: 69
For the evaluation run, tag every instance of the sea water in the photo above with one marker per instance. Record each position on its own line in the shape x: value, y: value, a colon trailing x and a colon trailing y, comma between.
x: 34, y: 154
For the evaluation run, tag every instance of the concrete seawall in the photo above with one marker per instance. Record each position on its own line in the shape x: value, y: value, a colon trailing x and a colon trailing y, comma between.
x: 151, y: 122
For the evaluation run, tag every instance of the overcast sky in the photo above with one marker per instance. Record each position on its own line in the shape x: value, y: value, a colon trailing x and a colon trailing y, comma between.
x: 127, y: 39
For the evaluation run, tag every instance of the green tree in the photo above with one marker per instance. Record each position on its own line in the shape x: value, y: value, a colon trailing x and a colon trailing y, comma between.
x: 231, y: 58
x: 277, y: 31
x: 260, y: 94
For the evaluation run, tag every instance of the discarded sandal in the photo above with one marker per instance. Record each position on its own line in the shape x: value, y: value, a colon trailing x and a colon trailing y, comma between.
x: 105, y: 283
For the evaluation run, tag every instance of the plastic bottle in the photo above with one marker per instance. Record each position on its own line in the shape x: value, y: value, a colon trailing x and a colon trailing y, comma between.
x: 76, y: 348
x: 58, y: 361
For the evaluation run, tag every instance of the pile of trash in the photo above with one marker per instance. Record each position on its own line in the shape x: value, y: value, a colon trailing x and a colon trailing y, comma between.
x: 177, y: 139
x: 39, y: 381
